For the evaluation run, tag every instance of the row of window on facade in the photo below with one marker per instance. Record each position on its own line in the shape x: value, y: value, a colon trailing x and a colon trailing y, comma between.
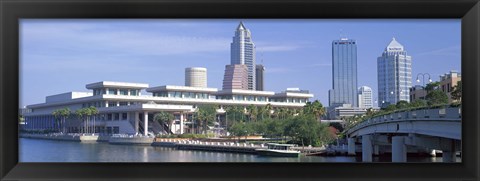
x: 99, y: 104
x: 177, y: 94
x: 100, y: 129
x: 115, y: 91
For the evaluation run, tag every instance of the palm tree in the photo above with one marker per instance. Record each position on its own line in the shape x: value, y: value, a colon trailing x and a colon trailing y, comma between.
x: 85, y: 114
x: 206, y: 114
x: 63, y: 114
x: 318, y: 109
x: 164, y: 117
x: 81, y: 113
x: 93, y: 111
x: 252, y: 112
x: 268, y: 109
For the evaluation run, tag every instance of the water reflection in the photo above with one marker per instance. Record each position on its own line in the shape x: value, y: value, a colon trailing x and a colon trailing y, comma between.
x: 33, y: 150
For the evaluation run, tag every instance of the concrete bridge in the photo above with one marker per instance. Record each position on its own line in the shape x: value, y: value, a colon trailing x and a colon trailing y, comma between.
x: 427, y: 129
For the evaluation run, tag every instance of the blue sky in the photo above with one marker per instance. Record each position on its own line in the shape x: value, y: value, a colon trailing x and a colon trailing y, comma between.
x: 59, y: 56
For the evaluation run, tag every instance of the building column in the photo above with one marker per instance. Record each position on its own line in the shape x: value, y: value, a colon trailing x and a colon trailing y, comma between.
x: 367, y: 148
x: 137, y: 122
x: 145, y: 123
x: 181, y: 123
x: 351, y: 146
x: 448, y: 156
x: 399, y: 149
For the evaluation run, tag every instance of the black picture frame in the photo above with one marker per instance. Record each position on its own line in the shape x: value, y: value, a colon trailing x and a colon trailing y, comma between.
x: 13, y: 10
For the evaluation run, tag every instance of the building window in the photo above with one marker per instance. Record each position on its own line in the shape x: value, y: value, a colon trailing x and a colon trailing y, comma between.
x: 134, y: 92
x: 111, y: 104
x: 116, y: 130
x: 124, y: 116
x: 109, y: 117
x: 117, y: 116
x: 123, y: 92
x: 112, y: 91
x: 123, y: 103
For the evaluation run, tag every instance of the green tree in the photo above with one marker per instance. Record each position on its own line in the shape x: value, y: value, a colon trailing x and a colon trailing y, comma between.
x: 391, y: 107
x: 436, y: 97
x: 402, y: 104
x: 418, y: 103
x: 457, y: 92
x: 252, y: 112
x: 163, y: 118
x: 314, y: 108
x: 62, y: 115
x: 206, y: 115
x: 432, y: 86
x: 85, y: 114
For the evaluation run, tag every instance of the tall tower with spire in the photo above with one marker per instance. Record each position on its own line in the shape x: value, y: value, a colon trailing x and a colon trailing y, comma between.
x: 394, y: 73
x: 242, y: 51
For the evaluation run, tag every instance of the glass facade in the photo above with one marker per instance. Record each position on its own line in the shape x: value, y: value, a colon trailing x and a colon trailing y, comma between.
x: 242, y: 51
x: 394, y: 71
x: 344, y: 73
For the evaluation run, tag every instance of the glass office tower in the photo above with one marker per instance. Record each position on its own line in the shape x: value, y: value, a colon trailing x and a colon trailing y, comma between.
x: 394, y: 72
x: 344, y: 73
x: 242, y: 51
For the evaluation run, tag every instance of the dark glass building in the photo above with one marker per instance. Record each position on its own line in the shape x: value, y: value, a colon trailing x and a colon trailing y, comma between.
x: 344, y: 73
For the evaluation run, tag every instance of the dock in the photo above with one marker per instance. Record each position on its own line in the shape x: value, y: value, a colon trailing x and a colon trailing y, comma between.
x: 209, y: 146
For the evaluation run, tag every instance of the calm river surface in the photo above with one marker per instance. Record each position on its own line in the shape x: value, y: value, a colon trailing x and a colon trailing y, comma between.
x: 37, y: 150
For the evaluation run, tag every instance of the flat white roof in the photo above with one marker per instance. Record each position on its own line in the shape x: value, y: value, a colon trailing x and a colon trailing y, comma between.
x: 116, y: 85
x: 292, y: 94
x: 181, y: 88
x: 245, y: 92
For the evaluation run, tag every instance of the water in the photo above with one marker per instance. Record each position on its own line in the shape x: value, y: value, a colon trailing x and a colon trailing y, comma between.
x: 36, y: 150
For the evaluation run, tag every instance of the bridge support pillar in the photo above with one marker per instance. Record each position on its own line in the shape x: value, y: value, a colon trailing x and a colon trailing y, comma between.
x: 351, y: 146
x: 399, y: 149
x: 376, y: 150
x: 448, y: 156
x: 367, y: 148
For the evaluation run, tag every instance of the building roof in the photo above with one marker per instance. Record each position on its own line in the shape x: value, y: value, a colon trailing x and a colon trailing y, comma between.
x: 394, y: 45
x: 181, y: 88
x: 245, y: 92
x: 104, y: 84
x: 241, y: 26
x: 293, y: 94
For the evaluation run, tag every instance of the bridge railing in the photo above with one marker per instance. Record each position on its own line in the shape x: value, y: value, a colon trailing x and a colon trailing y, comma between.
x: 447, y: 113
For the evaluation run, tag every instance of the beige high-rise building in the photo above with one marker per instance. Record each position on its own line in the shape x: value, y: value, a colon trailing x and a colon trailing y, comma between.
x: 196, y: 77
x: 448, y: 81
x: 236, y: 77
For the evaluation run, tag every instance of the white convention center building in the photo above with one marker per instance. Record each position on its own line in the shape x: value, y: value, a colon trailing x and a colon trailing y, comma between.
x: 122, y: 109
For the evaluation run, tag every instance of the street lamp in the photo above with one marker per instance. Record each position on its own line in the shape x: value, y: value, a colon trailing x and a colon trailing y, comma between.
x: 423, y: 78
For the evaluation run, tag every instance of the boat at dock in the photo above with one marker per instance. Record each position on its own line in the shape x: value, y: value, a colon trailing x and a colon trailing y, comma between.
x: 280, y: 150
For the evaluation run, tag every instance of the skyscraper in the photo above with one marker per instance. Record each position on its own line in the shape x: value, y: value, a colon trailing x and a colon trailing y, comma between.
x: 236, y: 77
x: 394, y: 74
x: 242, y: 51
x: 196, y: 77
x: 365, y: 97
x: 344, y: 73
x: 259, y: 70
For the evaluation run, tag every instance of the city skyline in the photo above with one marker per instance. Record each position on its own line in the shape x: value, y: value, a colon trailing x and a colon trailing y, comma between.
x: 281, y: 74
